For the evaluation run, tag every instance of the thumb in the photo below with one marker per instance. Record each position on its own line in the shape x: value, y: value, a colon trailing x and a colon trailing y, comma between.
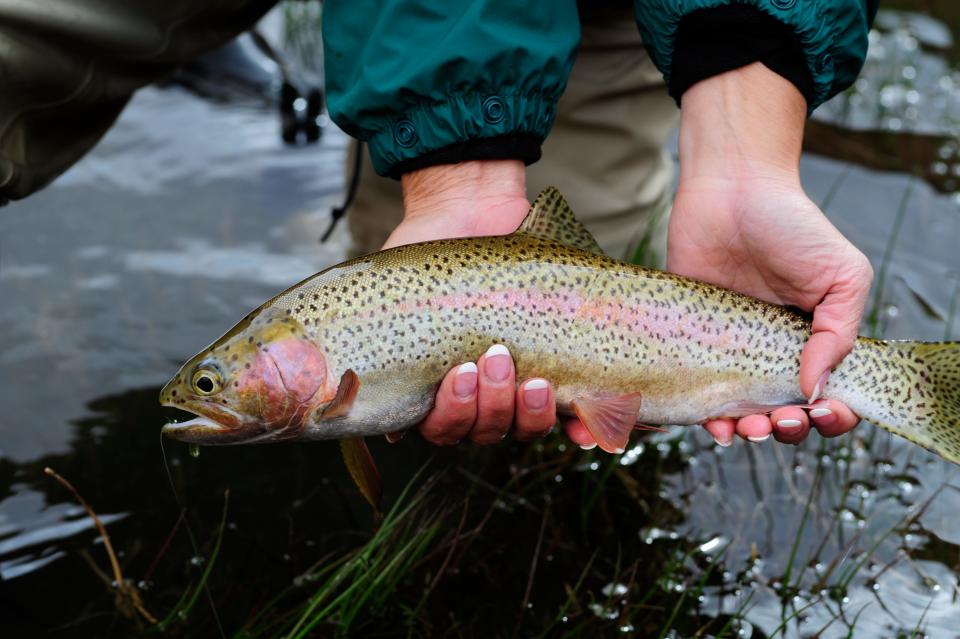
x: 836, y: 323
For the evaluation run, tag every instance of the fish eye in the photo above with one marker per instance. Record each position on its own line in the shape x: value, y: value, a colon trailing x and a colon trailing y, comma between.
x: 206, y: 382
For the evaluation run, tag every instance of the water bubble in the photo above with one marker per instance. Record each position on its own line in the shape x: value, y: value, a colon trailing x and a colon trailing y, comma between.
x: 182, y: 615
x: 300, y: 104
x: 603, y: 612
x: 614, y: 590
x: 564, y: 619
x: 632, y: 455
x: 562, y: 448
x: 649, y: 535
x: 939, y: 168
x: 197, y: 560
x: 144, y: 585
x: 850, y: 516
x: 558, y: 478
x: 713, y: 545
x: 909, y: 72
x: 625, y: 628
x: 891, y: 96
x: 594, y: 465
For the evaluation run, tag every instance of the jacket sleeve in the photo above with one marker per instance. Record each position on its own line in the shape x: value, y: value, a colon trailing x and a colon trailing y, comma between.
x: 67, y: 69
x: 427, y: 82
x: 830, y: 38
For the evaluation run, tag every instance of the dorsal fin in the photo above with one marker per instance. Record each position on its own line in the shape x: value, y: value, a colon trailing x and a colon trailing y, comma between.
x: 550, y: 217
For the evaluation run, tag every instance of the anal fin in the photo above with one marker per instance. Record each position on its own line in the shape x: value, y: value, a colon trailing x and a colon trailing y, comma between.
x: 363, y: 470
x: 610, y: 420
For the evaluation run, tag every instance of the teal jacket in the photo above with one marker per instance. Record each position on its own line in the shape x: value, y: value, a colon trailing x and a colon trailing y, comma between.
x: 413, y: 77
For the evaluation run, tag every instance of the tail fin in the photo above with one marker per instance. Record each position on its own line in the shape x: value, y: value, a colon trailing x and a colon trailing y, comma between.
x: 911, y: 389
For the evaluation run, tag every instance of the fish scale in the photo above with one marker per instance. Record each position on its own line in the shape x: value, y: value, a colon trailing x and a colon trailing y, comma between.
x: 621, y: 344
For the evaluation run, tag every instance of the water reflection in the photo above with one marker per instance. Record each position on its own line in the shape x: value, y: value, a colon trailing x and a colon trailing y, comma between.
x: 133, y: 260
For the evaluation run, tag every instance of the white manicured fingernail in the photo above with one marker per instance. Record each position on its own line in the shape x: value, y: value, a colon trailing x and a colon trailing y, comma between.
x: 725, y: 444
x: 759, y: 439
x: 820, y: 412
x: 535, y: 394
x: 788, y: 423
x: 617, y: 451
x: 588, y: 446
x: 498, y: 349
x: 465, y: 380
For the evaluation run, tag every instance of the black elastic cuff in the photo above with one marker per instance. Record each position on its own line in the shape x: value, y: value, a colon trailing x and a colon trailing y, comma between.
x: 504, y: 147
x: 713, y: 41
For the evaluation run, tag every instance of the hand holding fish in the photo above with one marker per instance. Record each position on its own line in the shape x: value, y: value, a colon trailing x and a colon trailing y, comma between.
x: 478, y: 401
x: 742, y: 221
x: 739, y: 198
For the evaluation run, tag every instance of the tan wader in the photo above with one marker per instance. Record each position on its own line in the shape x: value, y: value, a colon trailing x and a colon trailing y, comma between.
x: 605, y: 152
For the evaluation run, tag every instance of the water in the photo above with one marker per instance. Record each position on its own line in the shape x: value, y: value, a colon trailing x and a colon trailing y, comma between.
x: 191, y: 212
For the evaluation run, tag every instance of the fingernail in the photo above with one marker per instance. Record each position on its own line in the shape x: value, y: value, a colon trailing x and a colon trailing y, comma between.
x: 820, y: 412
x: 723, y: 442
x: 535, y: 393
x: 821, y: 384
x: 465, y: 381
x: 496, y: 364
x: 789, y: 423
x: 588, y: 446
x: 759, y: 439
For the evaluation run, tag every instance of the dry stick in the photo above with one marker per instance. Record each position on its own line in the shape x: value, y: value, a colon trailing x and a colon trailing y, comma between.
x: 124, y: 589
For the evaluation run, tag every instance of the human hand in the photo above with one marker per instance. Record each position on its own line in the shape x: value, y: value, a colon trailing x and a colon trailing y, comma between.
x: 742, y: 221
x: 479, y: 401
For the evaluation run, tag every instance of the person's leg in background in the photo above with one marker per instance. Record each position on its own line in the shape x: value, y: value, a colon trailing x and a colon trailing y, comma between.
x: 605, y: 152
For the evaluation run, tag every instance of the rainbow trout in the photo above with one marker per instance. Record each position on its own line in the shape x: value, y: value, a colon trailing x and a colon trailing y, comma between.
x: 360, y: 348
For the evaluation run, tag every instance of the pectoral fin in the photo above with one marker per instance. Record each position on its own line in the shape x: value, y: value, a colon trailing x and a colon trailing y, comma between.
x: 363, y: 470
x: 341, y: 403
x: 610, y: 420
x: 394, y: 437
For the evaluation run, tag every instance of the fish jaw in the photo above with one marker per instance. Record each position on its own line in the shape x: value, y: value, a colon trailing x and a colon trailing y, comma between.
x: 212, y: 425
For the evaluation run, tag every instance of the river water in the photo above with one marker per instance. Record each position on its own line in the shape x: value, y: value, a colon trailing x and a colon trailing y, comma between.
x: 192, y: 211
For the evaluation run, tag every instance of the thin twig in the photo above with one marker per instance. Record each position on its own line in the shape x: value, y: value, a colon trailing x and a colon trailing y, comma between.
x: 127, y: 596
x: 536, y: 556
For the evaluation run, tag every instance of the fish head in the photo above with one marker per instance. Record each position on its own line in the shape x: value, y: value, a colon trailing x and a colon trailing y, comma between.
x: 259, y: 382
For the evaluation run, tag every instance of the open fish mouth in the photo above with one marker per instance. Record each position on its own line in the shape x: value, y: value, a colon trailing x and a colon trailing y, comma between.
x: 204, y: 430
x: 197, y: 424
x: 199, y: 430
